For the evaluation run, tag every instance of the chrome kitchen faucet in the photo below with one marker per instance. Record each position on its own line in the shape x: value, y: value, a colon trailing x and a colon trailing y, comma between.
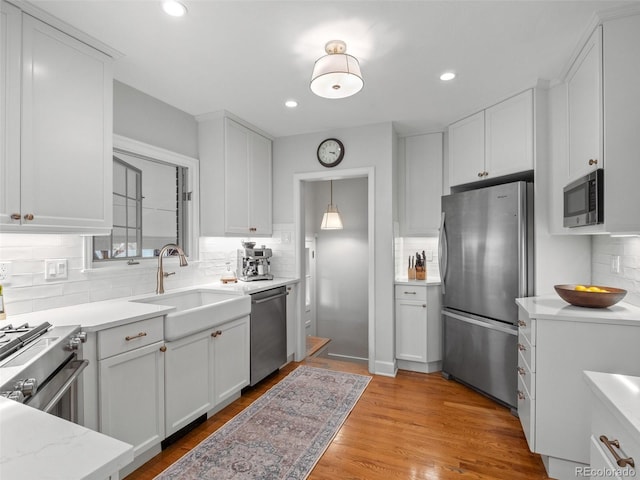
x: 161, y: 273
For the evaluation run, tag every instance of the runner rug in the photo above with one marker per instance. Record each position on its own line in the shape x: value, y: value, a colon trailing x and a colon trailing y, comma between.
x: 281, y: 435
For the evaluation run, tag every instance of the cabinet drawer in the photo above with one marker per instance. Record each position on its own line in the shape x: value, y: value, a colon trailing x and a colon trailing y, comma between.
x: 527, y: 328
x: 526, y: 375
x: 526, y: 413
x: 128, y: 337
x: 410, y: 292
x: 527, y: 353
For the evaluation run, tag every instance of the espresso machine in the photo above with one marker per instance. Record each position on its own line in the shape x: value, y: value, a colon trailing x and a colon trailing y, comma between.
x: 254, y: 263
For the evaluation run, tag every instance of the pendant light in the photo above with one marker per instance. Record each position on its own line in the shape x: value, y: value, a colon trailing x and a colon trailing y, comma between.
x: 336, y: 75
x: 331, y: 219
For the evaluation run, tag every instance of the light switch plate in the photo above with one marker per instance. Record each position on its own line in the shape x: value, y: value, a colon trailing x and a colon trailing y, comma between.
x: 55, y: 269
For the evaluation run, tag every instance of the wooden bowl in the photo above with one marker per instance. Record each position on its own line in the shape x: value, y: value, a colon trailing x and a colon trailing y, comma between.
x: 590, y: 299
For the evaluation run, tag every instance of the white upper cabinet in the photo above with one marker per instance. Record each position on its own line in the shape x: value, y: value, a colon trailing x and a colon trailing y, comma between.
x: 492, y: 143
x: 236, y: 179
x: 57, y: 164
x: 422, y: 185
x: 584, y: 101
x: 466, y: 150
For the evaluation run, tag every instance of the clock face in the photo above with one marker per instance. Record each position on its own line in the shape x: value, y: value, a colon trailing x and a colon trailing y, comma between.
x: 330, y: 152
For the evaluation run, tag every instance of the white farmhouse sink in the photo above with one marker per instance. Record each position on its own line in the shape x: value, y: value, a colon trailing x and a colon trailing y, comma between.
x: 197, y: 310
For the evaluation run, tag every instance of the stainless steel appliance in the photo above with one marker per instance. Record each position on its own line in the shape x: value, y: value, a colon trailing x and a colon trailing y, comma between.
x: 40, y: 366
x: 268, y: 332
x: 254, y: 263
x: 485, y: 255
x: 584, y: 200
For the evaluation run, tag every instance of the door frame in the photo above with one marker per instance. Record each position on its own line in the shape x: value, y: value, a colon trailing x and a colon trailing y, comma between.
x: 299, y: 180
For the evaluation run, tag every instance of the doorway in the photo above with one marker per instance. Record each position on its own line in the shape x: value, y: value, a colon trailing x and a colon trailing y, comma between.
x: 350, y: 323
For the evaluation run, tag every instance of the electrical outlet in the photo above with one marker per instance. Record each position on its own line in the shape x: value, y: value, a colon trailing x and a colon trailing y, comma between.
x: 5, y: 271
x: 615, y: 263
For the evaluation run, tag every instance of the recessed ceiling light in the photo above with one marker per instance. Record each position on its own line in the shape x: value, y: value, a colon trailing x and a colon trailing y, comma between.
x: 174, y: 8
x: 291, y: 103
x: 446, y: 76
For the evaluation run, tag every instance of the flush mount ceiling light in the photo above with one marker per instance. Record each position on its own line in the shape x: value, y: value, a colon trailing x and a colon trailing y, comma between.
x: 174, y: 8
x: 291, y: 104
x: 446, y: 76
x: 331, y: 219
x: 336, y: 75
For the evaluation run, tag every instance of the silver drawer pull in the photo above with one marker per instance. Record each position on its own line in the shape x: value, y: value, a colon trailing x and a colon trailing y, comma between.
x: 410, y: 293
x: 522, y: 348
x: 141, y: 334
x: 522, y: 371
x: 521, y: 395
x: 622, y: 462
x: 522, y: 323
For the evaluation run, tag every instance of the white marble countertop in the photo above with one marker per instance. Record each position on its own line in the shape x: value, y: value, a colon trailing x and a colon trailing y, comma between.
x: 97, y: 316
x: 621, y: 393
x: 429, y: 281
x: 552, y: 307
x: 38, y: 446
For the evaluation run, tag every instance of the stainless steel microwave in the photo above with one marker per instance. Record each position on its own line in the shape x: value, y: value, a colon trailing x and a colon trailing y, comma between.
x: 584, y: 200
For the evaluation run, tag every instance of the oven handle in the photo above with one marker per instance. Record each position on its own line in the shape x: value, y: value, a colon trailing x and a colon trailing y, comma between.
x: 71, y: 371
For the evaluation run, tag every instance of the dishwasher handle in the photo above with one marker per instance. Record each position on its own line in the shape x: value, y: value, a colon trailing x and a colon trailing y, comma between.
x: 268, y: 299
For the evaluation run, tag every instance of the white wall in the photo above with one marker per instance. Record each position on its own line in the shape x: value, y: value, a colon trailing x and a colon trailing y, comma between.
x: 144, y: 118
x: 367, y: 146
x: 604, y: 247
x: 341, y: 266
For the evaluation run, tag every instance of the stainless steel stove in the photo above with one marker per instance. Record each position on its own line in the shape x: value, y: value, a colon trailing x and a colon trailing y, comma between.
x: 40, y: 367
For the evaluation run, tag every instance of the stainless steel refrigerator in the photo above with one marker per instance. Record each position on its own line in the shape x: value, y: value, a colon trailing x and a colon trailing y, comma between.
x: 486, y: 258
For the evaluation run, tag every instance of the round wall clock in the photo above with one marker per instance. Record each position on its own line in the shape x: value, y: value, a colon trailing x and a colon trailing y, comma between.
x: 330, y: 152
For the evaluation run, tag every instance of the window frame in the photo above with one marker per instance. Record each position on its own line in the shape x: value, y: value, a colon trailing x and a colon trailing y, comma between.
x: 136, y: 148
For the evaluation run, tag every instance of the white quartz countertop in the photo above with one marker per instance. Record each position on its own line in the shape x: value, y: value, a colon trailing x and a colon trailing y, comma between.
x: 97, y: 316
x: 38, y: 446
x: 621, y: 393
x: 552, y: 307
x: 429, y: 281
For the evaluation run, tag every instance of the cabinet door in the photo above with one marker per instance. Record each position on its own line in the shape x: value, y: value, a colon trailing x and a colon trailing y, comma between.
x: 10, y: 33
x: 231, y: 359
x: 236, y: 166
x: 466, y: 150
x: 509, y: 136
x: 259, y: 181
x: 132, y: 397
x: 422, y: 184
x: 188, y: 380
x: 66, y: 130
x: 584, y: 96
x: 411, y: 331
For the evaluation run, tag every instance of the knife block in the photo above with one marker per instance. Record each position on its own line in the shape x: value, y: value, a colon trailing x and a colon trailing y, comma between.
x: 421, y: 273
x: 411, y: 273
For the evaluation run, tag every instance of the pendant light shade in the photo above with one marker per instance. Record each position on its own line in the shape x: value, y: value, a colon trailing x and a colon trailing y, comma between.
x: 331, y: 219
x: 336, y: 75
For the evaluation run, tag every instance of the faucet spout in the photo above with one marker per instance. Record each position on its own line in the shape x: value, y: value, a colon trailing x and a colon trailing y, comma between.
x: 161, y: 274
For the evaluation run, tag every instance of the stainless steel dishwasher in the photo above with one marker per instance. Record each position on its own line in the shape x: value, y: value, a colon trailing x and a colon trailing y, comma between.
x: 268, y: 332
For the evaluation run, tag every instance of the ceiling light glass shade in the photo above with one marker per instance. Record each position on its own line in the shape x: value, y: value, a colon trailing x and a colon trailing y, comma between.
x: 331, y: 219
x: 336, y: 75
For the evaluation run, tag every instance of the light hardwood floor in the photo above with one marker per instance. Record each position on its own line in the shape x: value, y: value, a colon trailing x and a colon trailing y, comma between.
x: 413, y: 426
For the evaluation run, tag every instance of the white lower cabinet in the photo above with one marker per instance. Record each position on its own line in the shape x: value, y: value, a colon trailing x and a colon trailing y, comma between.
x: 204, y: 370
x: 553, y: 397
x: 132, y: 396
x: 418, y: 327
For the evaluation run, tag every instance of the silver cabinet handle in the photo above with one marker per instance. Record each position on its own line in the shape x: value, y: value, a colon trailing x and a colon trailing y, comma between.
x: 522, y: 348
x: 522, y: 323
x: 522, y: 371
x: 521, y: 395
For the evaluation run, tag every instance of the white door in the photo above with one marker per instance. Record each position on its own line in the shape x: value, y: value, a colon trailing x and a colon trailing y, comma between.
x: 310, y: 287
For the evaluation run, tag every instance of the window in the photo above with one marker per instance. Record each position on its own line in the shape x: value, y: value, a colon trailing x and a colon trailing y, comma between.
x: 150, y: 209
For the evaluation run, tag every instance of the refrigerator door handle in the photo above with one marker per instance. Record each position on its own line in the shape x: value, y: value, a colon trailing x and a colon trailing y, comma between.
x: 473, y: 321
x: 442, y: 252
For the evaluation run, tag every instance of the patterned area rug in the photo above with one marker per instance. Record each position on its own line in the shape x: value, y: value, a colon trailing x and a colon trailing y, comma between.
x: 281, y: 435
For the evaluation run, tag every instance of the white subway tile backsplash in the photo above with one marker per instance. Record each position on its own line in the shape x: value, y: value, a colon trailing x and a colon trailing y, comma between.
x: 603, y: 247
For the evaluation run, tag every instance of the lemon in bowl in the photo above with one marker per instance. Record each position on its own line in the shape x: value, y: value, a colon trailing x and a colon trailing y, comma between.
x: 590, y: 296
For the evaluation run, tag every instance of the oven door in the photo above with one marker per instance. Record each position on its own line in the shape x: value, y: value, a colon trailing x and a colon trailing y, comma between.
x: 59, y: 395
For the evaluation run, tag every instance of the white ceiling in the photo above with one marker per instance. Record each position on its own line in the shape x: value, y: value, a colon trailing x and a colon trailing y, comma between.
x: 248, y: 57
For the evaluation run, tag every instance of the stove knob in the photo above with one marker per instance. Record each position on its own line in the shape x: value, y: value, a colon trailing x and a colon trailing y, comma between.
x: 16, y: 396
x: 82, y: 336
x: 73, y: 344
x: 27, y: 387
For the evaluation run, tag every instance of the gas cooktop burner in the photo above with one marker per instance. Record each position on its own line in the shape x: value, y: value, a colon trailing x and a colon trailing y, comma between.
x: 13, y: 338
